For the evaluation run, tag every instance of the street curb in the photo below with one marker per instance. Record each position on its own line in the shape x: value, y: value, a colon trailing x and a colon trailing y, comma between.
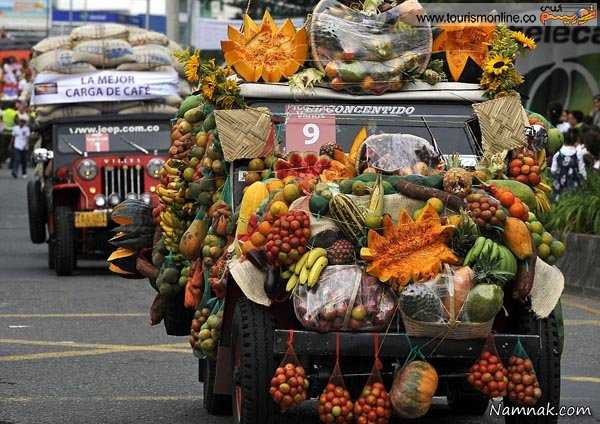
x: 581, y: 264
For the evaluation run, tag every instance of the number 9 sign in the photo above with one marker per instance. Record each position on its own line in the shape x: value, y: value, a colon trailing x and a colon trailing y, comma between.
x: 308, y: 133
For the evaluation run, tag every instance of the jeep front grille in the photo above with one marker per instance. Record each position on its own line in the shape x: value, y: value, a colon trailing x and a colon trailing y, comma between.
x: 123, y: 180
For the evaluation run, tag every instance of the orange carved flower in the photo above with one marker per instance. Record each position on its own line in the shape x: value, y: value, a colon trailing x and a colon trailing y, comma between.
x: 409, y: 251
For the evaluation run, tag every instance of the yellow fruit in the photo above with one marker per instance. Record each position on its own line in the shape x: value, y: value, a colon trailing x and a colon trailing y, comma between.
x: 543, y: 250
x: 417, y: 213
x: 373, y: 221
x: 454, y: 219
x: 252, y: 177
x: 274, y: 184
x: 536, y: 227
x: 437, y: 204
x: 290, y: 193
x: 547, y: 238
x: 557, y: 248
x: 278, y: 208
x: 517, y: 238
x: 256, y: 165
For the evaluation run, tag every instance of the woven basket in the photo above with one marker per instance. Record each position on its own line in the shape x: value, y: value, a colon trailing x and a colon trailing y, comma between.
x: 461, y: 331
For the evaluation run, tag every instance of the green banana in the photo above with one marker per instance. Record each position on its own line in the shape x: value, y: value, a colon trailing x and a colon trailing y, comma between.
x: 303, y: 278
x: 495, y: 251
x: 475, y: 250
x: 286, y: 275
x: 316, y: 270
x: 509, y: 261
x: 487, y: 248
x: 292, y: 283
x: 313, y: 255
x: 301, y: 262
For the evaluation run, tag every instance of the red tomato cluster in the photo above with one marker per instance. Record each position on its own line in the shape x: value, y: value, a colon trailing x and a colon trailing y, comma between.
x: 288, y: 386
x: 335, y: 405
x: 286, y: 242
x: 525, y: 169
x: 523, y: 385
x: 485, y: 210
x: 373, y: 406
x: 516, y: 208
x: 489, y: 375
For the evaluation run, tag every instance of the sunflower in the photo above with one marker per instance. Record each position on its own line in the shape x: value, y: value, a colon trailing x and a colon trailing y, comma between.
x: 191, y: 66
x: 524, y: 40
x: 497, y: 65
x: 208, y: 87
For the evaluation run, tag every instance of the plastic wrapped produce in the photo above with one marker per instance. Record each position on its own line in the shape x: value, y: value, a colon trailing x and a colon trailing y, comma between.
x: 346, y: 299
x: 399, y: 153
x: 365, y: 52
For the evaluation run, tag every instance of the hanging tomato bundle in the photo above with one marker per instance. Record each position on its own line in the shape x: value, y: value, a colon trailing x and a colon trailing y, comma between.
x: 289, y: 384
x: 523, y: 386
x: 373, y: 406
x: 488, y: 374
x: 335, y: 405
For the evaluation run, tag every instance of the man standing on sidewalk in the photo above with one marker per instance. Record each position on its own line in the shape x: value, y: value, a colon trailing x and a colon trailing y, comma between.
x: 20, y: 140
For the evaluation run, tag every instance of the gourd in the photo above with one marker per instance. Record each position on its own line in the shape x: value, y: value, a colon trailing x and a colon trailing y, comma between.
x: 349, y: 217
x: 413, y: 389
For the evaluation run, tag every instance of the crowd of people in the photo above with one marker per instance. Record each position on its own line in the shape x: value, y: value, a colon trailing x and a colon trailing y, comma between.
x: 580, y: 152
x: 15, y: 86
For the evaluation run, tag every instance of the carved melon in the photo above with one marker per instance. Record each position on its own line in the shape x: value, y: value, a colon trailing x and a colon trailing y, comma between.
x: 265, y: 51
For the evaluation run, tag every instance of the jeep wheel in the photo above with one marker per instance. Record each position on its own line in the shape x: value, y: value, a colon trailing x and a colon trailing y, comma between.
x: 253, y: 364
x: 35, y: 211
x: 548, y: 366
x: 214, y: 404
x: 463, y: 399
x: 64, y: 241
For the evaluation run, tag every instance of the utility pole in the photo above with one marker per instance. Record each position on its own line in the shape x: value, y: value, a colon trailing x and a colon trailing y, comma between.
x: 148, y: 14
x: 172, y: 12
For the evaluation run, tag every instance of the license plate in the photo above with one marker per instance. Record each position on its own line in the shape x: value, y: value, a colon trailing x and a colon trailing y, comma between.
x: 91, y: 219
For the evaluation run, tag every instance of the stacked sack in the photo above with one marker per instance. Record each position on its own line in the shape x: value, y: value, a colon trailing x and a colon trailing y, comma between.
x: 109, y: 46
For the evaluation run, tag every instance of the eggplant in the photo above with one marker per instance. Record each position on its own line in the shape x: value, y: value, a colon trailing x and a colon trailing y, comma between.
x: 258, y: 258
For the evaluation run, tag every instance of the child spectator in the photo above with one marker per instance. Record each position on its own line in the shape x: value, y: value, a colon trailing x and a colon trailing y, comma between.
x: 568, y: 166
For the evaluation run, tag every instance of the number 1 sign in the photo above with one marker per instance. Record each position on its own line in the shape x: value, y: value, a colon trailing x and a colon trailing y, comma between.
x: 308, y: 132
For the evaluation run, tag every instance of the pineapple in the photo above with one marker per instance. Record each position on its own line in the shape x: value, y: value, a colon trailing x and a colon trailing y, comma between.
x: 464, y: 235
x: 488, y: 271
x: 457, y: 180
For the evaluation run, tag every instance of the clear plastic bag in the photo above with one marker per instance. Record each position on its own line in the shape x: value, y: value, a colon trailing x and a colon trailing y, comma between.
x: 372, y: 53
x: 523, y: 385
x: 289, y: 383
x: 346, y: 299
x: 399, y: 153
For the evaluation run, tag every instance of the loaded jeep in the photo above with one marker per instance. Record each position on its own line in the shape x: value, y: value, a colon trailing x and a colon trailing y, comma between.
x: 87, y: 166
x: 254, y: 338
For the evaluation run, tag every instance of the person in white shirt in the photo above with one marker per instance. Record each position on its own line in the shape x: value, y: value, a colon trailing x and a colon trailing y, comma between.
x: 20, y: 142
x: 564, y: 125
x: 568, y: 166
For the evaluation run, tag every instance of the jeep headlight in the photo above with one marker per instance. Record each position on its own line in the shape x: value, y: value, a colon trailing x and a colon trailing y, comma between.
x: 87, y: 169
x: 153, y: 167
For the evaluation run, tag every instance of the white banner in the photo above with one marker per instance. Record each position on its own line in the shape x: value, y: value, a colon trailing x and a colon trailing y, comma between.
x: 103, y: 86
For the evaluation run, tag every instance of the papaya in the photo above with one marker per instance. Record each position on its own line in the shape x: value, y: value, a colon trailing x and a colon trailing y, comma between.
x: 188, y: 103
x: 522, y: 191
x: 194, y: 115
x: 191, y: 241
x: 517, y: 238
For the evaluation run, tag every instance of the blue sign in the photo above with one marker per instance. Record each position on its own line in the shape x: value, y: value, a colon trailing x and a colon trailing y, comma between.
x: 157, y: 22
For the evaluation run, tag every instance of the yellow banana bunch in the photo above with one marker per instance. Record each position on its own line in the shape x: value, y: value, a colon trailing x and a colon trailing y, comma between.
x: 308, y: 269
x: 542, y: 200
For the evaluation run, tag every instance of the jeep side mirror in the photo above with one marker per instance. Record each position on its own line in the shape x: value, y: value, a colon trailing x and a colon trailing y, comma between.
x: 42, y: 155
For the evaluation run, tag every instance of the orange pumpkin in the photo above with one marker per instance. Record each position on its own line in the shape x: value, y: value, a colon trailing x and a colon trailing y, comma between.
x: 413, y: 388
x: 265, y: 51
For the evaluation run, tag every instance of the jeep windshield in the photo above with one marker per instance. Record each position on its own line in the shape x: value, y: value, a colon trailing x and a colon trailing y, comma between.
x: 304, y: 126
x: 142, y: 136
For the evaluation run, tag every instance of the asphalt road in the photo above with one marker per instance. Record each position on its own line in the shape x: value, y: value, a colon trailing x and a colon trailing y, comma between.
x: 80, y: 350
